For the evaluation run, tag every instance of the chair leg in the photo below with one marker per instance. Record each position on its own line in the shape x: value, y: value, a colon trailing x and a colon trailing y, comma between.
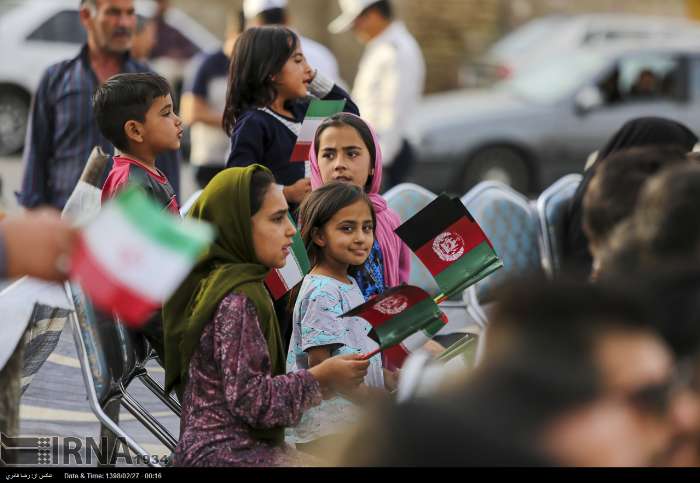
x: 107, y: 437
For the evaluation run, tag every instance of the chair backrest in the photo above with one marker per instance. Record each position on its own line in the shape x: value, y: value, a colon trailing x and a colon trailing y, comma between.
x: 116, y: 354
x: 552, y: 207
x: 407, y: 199
x: 510, y: 222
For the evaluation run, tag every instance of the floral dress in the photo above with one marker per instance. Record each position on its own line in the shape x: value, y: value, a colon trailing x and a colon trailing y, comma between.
x: 230, y: 391
x: 370, y: 276
x: 317, y: 322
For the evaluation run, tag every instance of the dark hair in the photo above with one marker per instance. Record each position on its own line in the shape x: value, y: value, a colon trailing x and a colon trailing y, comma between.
x: 384, y: 8
x: 666, y: 213
x: 123, y: 98
x: 259, y: 184
x: 355, y: 122
x: 272, y: 16
x: 612, y: 195
x: 542, y: 340
x: 317, y: 210
x: 260, y: 53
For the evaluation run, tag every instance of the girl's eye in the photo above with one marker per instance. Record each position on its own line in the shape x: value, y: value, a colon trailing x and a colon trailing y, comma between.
x: 328, y: 155
x: 353, y: 154
x: 347, y: 229
x: 367, y: 228
x: 278, y: 219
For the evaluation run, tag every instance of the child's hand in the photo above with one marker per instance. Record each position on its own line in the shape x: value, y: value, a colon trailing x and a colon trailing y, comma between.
x: 340, y: 373
x: 296, y: 192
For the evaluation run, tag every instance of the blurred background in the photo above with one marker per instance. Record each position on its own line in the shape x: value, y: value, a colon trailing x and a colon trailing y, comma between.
x: 564, y: 66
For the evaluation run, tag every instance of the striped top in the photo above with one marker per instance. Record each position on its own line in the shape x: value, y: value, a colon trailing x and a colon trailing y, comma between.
x: 62, y: 132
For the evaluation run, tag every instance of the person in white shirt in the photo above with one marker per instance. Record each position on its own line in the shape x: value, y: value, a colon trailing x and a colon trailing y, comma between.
x: 274, y: 12
x: 389, y: 81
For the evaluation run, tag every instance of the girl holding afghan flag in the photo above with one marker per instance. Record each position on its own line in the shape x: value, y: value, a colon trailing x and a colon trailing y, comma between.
x: 337, y: 223
x: 346, y: 149
x: 223, y: 350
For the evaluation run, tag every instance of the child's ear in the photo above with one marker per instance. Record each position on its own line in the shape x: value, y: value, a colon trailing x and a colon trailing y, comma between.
x: 318, y: 237
x: 134, y: 131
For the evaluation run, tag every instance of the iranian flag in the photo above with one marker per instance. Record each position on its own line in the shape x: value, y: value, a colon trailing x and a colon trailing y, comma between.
x: 134, y: 255
x: 403, y: 319
x: 282, y: 280
x: 452, y: 246
x: 318, y: 111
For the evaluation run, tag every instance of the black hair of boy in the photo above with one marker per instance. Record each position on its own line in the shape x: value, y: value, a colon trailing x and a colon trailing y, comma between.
x: 612, y: 195
x: 123, y: 98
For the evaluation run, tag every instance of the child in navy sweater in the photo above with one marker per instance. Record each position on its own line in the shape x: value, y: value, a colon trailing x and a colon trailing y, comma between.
x: 268, y: 94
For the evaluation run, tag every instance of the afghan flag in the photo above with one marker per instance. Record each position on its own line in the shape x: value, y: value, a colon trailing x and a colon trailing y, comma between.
x: 403, y: 319
x: 134, y: 255
x: 453, y: 247
x: 282, y: 280
x: 318, y: 111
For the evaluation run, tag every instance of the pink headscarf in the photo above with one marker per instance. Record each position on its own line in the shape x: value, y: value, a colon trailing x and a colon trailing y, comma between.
x: 397, y: 256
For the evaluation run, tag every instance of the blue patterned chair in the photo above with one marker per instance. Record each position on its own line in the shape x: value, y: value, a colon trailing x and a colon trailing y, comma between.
x: 552, y: 206
x: 111, y: 357
x: 510, y: 222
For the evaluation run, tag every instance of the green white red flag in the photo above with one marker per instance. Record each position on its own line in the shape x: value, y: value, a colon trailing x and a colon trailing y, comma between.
x: 134, y: 255
x: 282, y: 280
x: 317, y: 111
x: 449, y: 242
x: 403, y: 319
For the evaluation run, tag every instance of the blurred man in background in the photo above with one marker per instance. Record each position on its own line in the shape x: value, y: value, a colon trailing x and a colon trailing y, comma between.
x: 202, y: 106
x: 62, y: 129
x: 390, y: 78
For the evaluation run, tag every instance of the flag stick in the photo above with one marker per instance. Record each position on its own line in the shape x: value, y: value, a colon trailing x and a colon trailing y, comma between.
x: 370, y: 354
x: 440, y: 298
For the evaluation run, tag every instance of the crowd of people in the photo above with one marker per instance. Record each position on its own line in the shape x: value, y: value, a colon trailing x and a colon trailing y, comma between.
x: 598, y: 367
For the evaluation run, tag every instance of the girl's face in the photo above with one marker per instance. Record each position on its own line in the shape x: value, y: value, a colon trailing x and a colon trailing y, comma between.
x: 343, y: 156
x: 272, y: 230
x: 294, y: 78
x: 347, y: 238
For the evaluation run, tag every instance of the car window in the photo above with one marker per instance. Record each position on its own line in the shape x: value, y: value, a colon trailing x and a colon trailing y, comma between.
x: 63, y: 27
x: 556, y: 78
x: 644, y: 77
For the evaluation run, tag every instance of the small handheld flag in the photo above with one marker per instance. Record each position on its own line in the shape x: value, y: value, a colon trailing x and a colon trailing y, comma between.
x: 404, y: 315
x: 317, y: 111
x: 134, y: 255
x: 282, y: 280
x: 452, y: 246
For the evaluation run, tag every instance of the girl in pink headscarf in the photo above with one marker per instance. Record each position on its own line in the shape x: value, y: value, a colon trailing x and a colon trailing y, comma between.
x: 346, y: 149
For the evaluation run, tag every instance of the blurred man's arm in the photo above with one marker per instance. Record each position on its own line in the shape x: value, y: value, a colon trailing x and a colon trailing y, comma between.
x: 194, y: 109
x: 37, y: 244
x: 38, y: 149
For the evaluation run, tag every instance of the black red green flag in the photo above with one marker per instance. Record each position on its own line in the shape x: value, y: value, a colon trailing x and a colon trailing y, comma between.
x: 449, y: 242
x: 403, y: 319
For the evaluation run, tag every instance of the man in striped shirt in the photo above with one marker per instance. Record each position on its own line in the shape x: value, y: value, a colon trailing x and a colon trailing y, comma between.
x: 62, y: 129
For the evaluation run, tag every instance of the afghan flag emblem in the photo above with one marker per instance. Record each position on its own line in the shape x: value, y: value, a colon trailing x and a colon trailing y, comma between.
x: 281, y: 280
x: 403, y: 319
x: 449, y: 242
x: 316, y: 113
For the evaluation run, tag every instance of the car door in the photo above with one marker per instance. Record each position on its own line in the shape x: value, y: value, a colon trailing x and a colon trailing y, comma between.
x: 636, y: 85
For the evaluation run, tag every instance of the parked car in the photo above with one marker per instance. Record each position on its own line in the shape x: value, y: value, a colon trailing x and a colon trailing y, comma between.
x: 553, y: 35
x: 37, y: 33
x: 529, y: 131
